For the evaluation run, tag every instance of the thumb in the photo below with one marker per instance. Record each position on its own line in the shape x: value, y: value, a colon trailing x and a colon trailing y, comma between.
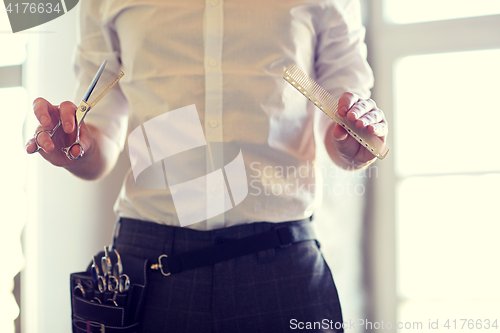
x: 346, y: 145
x: 339, y: 133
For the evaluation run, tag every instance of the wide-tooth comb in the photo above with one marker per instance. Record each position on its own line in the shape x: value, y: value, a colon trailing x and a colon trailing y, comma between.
x: 329, y: 105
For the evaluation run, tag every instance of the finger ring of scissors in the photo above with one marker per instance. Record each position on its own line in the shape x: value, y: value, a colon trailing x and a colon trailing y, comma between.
x: 49, y: 132
x: 67, y: 150
x: 79, y: 291
x: 107, y: 267
x: 118, y: 282
x: 99, y: 279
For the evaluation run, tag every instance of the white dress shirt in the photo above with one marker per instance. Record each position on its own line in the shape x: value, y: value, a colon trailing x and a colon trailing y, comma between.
x: 226, y: 57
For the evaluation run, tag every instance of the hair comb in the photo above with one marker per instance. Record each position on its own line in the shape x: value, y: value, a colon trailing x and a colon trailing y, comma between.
x: 329, y: 105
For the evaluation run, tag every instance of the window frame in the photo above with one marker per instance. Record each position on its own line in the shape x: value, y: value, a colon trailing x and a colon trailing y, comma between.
x: 389, y: 42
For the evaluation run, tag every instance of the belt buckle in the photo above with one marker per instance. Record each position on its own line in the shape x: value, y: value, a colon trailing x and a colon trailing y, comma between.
x: 159, y: 265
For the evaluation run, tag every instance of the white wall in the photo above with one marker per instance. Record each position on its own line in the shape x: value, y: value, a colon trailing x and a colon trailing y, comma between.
x: 69, y: 219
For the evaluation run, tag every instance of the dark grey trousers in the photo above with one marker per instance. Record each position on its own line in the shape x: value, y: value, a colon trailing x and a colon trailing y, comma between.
x: 278, y: 290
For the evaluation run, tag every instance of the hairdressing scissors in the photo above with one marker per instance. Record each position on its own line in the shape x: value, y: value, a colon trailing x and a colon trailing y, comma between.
x: 103, y: 280
x: 82, y: 110
x: 107, y: 268
x: 118, y: 282
x: 99, y: 279
x: 106, y: 264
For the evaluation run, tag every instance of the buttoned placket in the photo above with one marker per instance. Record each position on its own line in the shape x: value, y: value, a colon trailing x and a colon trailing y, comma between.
x: 214, y: 26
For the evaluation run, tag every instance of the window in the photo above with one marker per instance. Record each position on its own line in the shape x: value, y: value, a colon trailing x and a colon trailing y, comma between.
x: 449, y: 95
x: 13, y: 169
x: 435, y: 224
x: 412, y: 11
x: 13, y: 200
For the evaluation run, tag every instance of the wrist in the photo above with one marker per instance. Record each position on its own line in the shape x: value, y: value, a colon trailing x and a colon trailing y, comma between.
x: 350, y: 163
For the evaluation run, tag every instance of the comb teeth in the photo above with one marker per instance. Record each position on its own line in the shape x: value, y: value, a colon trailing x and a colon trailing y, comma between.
x: 312, y: 90
x: 106, y: 88
x: 329, y: 105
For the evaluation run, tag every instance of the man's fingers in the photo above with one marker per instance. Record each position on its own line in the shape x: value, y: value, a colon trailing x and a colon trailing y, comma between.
x: 339, y: 133
x: 365, y: 114
x: 346, y: 101
x: 350, y: 148
x: 30, y: 146
x: 67, y: 111
x: 373, y: 117
x: 379, y: 129
x: 45, y: 141
x: 360, y: 108
x: 44, y: 112
x: 346, y: 144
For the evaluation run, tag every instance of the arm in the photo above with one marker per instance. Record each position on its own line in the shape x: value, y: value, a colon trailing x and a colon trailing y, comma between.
x: 341, y: 66
x: 104, y: 129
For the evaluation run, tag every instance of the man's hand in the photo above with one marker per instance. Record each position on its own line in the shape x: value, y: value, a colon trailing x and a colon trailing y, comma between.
x: 100, y: 154
x: 49, y: 115
x: 344, y: 149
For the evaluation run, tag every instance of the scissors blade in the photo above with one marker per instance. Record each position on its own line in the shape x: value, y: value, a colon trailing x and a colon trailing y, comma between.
x: 105, y: 88
x: 100, y: 92
x: 94, y: 81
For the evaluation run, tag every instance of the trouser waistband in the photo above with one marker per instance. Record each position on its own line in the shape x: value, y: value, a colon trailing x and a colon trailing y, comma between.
x: 228, y: 243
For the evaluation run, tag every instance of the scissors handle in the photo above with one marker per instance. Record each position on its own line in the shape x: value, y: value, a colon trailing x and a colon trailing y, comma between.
x: 69, y: 154
x: 101, y: 284
x: 81, y: 112
x: 50, y: 132
x: 99, y: 279
x: 118, y: 281
x: 124, y: 283
x: 113, y: 284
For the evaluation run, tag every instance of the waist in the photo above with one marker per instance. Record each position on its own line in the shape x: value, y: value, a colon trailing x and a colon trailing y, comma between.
x: 148, y: 239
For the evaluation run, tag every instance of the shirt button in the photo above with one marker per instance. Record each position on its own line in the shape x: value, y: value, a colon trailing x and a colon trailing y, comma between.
x: 213, y: 123
x: 215, y: 190
x: 213, y: 62
x: 214, y: 2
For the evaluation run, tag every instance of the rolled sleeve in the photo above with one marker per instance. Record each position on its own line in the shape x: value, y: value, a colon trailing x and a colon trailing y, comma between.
x: 341, y: 63
x: 98, y: 42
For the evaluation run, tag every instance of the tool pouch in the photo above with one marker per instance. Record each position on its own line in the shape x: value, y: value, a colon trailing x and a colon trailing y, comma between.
x: 108, y: 312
